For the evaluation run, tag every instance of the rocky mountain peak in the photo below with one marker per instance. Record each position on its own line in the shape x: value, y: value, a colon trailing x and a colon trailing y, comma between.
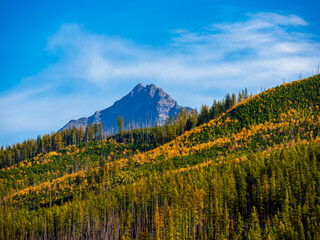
x: 137, y: 89
x: 143, y: 106
x: 151, y: 90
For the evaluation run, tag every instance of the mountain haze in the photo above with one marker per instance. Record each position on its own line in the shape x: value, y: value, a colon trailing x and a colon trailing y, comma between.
x: 142, y: 107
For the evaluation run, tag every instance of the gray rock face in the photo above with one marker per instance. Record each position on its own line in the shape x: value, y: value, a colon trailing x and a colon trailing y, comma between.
x: 142, y: 107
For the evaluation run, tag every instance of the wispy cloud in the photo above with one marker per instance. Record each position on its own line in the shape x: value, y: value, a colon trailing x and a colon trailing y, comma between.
x: 94, y: 70
x: 219, y: 52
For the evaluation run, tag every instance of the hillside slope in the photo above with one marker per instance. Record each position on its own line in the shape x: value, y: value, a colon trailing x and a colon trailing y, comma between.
x: 251, y: 173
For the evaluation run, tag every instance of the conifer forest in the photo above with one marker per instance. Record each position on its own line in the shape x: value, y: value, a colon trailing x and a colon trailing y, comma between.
x: 246, y: 167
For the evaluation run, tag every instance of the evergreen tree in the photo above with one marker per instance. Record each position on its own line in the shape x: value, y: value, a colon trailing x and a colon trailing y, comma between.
x: 91, y: 132
x: 191, y: 121
x: 254, y: 226
x: 204, y: 115
x: 228, y: 102
x: 120, y: 126
x: 100, y: 131
x: 240, y: 97
x: 234, y: 100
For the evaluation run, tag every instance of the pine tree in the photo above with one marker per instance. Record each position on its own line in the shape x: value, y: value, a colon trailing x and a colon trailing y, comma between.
x: 191, y: 121
x: 120, y: 126
x: 91, y: 132
x: 87, y: 134
x: 100, y: 131
x: 240, y: 97
x: 228, y: 102
x: 58, y: 141
x: 213, y: 111
x: 157, y: 221
x: 96, y: 130
x: 234, y: 100
x: 204, y: 115
x: 254, y: 226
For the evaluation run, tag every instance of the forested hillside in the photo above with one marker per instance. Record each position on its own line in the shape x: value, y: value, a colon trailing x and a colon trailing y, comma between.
x: 251, y: 172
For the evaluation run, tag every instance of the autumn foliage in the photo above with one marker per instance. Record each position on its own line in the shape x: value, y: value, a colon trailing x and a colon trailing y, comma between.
x: 249, y: 172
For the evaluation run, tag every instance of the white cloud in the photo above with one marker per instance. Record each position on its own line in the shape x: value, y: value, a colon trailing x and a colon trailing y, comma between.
x: 208, y: 56
x: 94, y: 70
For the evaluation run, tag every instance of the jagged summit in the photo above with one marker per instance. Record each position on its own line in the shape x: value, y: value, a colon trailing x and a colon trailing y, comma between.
x: 137, y: 89
x: 151, y: 90
x: 143, y: 106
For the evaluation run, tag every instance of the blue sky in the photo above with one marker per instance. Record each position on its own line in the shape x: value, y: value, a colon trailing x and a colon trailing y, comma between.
x: 62, y: 60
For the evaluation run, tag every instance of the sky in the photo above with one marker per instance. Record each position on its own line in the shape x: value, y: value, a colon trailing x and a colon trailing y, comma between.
x: 63, y: 60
